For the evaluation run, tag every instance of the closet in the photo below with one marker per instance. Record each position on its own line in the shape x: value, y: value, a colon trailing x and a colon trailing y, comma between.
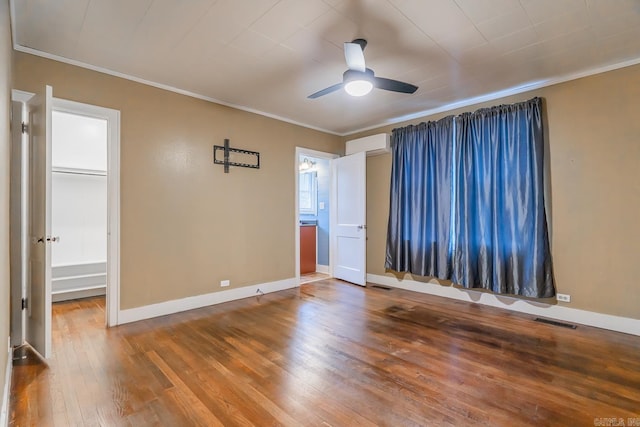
x: 79, y: 206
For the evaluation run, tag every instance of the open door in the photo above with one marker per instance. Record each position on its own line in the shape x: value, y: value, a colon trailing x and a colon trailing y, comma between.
x: 18, y: 223
x: 38, y: 319
x: 348, y: 228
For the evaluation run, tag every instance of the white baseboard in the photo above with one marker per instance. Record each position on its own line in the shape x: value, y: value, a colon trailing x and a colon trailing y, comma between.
x: 190, y: 303
x: 4, y: 412
x: 558, y: 312
x: 322, y: 269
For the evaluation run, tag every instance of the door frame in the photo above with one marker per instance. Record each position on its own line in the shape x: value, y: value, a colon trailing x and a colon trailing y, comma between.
x: 302, y: 151
x: 113, y: 196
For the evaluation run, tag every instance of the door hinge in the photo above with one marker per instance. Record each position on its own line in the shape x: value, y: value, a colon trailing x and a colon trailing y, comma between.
x: 25, y: 127
x: 24, y: 303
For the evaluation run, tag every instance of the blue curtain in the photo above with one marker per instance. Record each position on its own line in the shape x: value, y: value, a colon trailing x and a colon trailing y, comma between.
x: 419, y: 231
x: 467, y: 201
x: 501, y: 239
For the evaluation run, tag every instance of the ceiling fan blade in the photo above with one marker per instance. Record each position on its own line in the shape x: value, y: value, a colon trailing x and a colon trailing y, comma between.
x: 355, y: 56
x: 325, y: 91
x: 394, y: 85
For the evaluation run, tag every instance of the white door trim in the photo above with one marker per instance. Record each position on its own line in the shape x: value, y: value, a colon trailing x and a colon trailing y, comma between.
x: 113, y: 197
x: 301, y: 151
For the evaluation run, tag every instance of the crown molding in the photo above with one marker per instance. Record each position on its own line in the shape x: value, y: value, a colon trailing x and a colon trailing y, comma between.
x: 501, y: 94
x: 526, y: 87
x: 399, y: 119
x: 162, y: 86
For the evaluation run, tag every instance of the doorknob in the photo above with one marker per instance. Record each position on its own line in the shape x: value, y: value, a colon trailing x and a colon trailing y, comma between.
x: 362, y: 227
x: 48, y: 239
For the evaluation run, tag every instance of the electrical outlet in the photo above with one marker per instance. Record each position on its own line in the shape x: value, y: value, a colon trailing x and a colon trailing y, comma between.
x: 563, y: 297
x: 224, y: 283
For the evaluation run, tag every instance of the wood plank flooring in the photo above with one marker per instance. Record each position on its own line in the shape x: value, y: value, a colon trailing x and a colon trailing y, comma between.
x: 327, y: 354
x: 313, y: 277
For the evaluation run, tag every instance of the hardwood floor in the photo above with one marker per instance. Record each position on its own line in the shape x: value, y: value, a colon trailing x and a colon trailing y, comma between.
x: 313, y: 277
x: 327, y: 354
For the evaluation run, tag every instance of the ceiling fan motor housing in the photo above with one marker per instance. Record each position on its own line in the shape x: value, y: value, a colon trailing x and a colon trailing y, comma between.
x: 351, y: 75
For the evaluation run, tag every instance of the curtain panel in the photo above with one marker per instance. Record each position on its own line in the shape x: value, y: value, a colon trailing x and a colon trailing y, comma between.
x: 478, y: 192
x: 501, y: 237
x: 419, y: 230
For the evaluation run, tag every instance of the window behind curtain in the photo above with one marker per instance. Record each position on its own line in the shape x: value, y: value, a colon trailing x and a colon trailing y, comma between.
x: 419, y: 229
x: 497, y: 237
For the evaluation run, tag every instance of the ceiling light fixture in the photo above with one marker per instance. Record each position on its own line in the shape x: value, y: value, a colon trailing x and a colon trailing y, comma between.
x: 358, y: 83
x: 358, y: 87
x: 306, y: 164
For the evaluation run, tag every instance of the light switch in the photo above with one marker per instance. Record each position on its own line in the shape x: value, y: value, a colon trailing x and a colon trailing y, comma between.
x: 321, y: 205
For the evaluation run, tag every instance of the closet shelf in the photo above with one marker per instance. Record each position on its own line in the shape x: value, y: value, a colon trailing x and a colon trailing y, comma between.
x: 77, y: 276
x: 85, y: 288
x: 78, y: 171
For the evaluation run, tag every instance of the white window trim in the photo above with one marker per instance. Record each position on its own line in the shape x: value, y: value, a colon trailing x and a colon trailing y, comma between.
x: 313, y: 193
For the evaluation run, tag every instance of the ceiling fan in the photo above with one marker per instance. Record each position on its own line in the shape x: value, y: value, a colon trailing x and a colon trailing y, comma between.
x: 359, y: 80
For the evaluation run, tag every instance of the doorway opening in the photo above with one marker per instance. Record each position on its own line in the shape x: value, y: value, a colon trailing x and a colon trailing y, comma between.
x: 313, y: 214
x: 85, y: 205
x: 66, y: 261
x: 78, y: 206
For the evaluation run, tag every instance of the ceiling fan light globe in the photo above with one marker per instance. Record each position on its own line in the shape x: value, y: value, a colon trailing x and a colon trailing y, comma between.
x: 358, y: 87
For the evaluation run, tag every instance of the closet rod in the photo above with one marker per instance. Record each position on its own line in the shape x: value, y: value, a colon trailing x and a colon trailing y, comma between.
x: 96, y: 173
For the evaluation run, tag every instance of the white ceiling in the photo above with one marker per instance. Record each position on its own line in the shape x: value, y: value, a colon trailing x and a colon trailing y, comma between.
x: 269, y: 55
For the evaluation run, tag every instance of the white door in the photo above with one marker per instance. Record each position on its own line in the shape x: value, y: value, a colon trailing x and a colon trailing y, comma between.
x: 348, y: 227
x: 38, y: 319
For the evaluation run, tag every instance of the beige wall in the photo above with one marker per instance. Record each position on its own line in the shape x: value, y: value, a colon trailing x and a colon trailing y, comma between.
x: 185, y: 224
x: 5, y: 105
x: 594, y: 139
